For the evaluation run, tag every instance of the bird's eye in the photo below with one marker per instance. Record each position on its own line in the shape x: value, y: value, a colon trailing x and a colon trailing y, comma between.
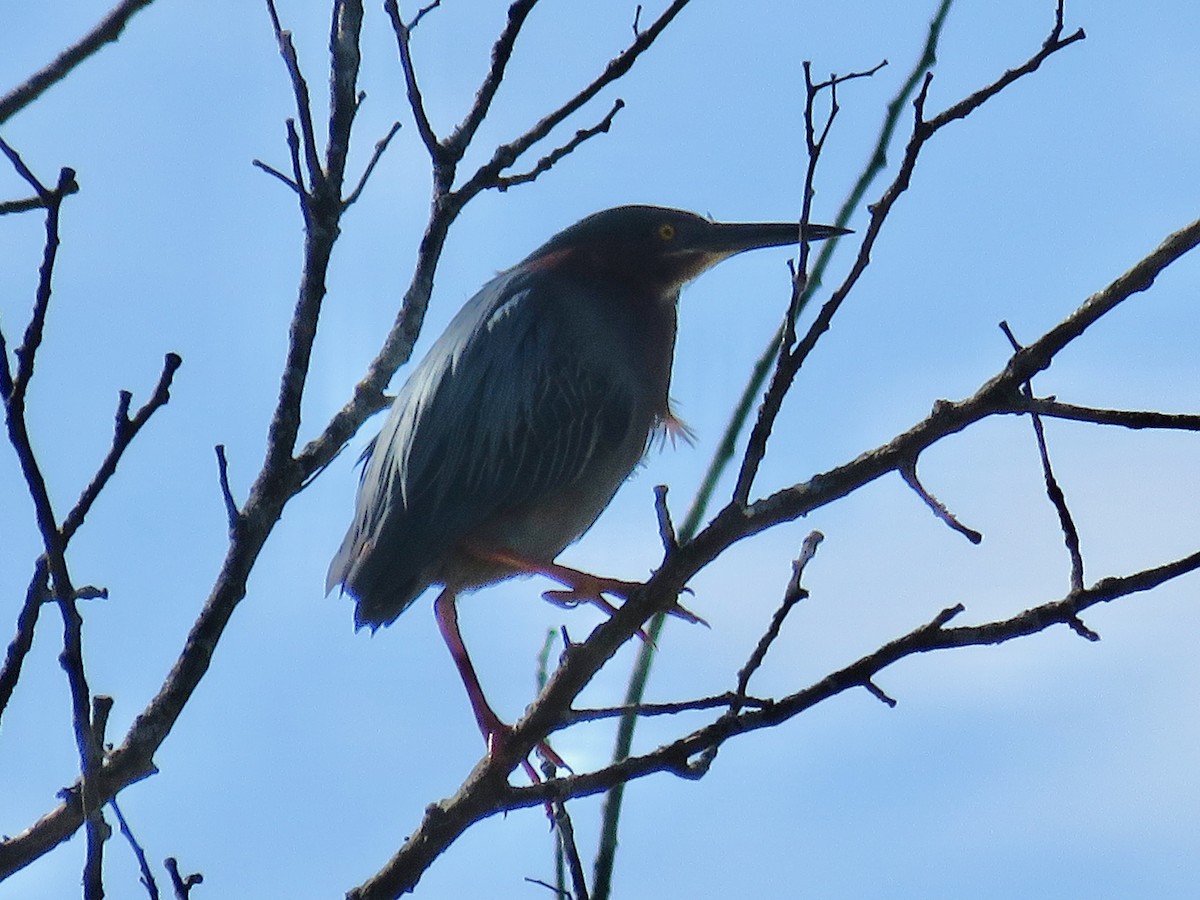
x: 666, y: 231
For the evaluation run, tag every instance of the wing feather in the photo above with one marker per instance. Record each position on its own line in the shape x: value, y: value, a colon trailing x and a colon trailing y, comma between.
x: 508, y: 406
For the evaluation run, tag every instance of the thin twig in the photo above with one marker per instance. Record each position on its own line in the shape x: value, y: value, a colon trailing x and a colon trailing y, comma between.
x: 547, y: 162
x: 125, y: 429
x: 458, y: 141
x: 182, y: 884
x: 789, y: 357
x: 1054, y: 491
x: 36, y: 595
x: 415, y: 101
x: 646, y: 710
x: 293, y: 145
x: 566, y: 840
x: 147, y: 876
x: 723, y: 453
x: 380, y: 146
x: 31, y: 203
x: 666, y: 528
x: 6, y: 378
x: 934, y: 635
x: 345, y: 100
x: 421, y: 13
x: 909, y: 473
x: 505, y: 155
x: 271, y: 170
x: 1053, y: 43
x: 1051, y: 407
x: 287, y: 49
x: 105, y: 31
x: 878, y: 693
x: 53, y: 541
x: 923, y: 129
x: 793, y: 594
x: 232, y: 513
x: 558, y: 891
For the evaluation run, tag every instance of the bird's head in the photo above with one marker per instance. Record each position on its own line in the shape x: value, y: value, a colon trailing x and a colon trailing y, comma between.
x: 657, y: 248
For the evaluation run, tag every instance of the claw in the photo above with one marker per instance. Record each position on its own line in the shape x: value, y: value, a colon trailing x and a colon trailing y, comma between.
x: 583, y: 587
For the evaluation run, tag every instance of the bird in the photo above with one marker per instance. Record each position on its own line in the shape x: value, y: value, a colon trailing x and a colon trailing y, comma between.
x: 515, y: 431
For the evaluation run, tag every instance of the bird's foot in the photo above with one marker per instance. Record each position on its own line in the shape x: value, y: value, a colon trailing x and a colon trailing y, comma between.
x: 583, y: 587
x: 497, y: 735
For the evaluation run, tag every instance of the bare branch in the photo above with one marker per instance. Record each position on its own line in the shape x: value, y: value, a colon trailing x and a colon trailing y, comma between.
x: 789, y: 358
x: 666, y: 528
x: 547, y: 162
x: 1053, y: 43
x: 922, y: 131
x: 232, y: 513
x: 1076, y: 625
x: 147, y: 876
x: 647, y: 710
x: 287, y: 50
x: 1053, y: 490
x: 124, y: 431
x: 271, y: 170
x: 1125, y: 418
x: 32, y: 203
x: 723, y: 454
x: 6, y: 378
x: 791, y: 596
x: 566, y: 840
x: 345, y: 59
x: 293, y: 145
x: 36, y: 595
x: 98, y: 831
x: 14, y: 388
x: 182, y: 884
x: 507, y: 154
x: 91, y: 752
x: 560, y: 892
x: 673, y: 758
x: 995, y: 396
x: 380, y: 146
x: 909, y: 473
x: 437, y: 153
x: 278, y: 480
x: 106, y: 30
x: 422, y: 13
x: 456, y: 145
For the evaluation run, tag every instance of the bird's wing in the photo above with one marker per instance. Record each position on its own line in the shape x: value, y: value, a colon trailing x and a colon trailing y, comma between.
x: 502, y: 410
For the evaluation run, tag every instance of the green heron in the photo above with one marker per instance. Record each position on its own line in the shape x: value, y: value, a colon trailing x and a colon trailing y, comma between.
x: 513, y: 434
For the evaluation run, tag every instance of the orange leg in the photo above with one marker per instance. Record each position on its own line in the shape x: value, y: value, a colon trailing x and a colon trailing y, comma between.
x: 581, y: 587
x: 493, y: 729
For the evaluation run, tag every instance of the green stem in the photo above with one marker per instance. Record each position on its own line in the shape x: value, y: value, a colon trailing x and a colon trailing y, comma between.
x: 723, y: 455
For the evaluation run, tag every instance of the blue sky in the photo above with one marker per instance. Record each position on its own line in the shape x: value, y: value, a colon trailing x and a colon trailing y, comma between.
x: 1047, y: 767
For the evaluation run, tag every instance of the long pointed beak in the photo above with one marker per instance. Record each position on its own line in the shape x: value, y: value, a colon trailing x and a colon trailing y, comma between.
x: 722, y: 240
x: 728, y: 238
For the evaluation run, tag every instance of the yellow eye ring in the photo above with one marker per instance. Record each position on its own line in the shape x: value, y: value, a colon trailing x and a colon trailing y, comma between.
x: 666, y: 231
